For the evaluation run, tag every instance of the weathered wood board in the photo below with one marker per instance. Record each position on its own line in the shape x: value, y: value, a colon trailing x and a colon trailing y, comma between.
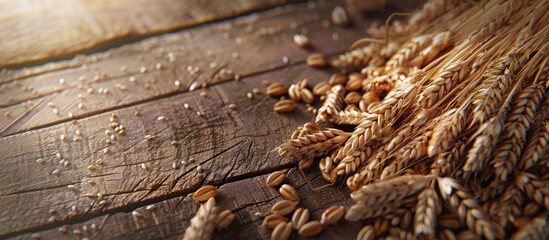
x: 206, y: 47
x: 33, y: 31
x: 233, y: 146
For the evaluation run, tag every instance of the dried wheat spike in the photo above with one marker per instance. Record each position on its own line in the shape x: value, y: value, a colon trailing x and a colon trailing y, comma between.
x: 493, y: 87
x: 447, y: 130
x: 445, y: 163
x: 440, y: 42
x: 508, y: 207
x: 400, y: 233
x: 333, y: 104
x: 519, y: 120
x: 349, y: 117
x: 536, y: 147
x: 500, y: 13
x: 357, y: 58
x: 391, y: 190
x: 441, y: 84
x: 203, y: 224
x: 427, y: 209
x: 406, y: 131
x: 416, y: 148
x: 486, y: 193
x: 537, y: 228
x: 314, y: 144
x: 360, y: 211
x: 408, y: 51
x: 468, y: 210
x: 382, y: 116
x: 485, y: 138
x: 381, y: 83
x: 429, y: 11
x: 533, y: 188
x: 350, y: 163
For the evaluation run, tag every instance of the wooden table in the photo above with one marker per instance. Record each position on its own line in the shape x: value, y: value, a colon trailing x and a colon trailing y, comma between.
x: 91, y: 61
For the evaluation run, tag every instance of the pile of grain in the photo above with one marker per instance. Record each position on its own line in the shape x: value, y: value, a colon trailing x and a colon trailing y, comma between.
x: 451, y: 124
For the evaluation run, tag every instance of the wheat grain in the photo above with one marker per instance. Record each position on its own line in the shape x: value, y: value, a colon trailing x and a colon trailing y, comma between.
x: 272, y: 220
x: 277, y: 89
x: 282, y: 231
x: 284, y: 207
x: 311, y: 228
x: 302, y: 41
x: 289, y: 193
x: 332, y: 215
x: 339, y: 16
x: 224, y: 219
x: 316, y: 60
x: 367, y: 232
x: 300, y: 217
x: 284, y: 106
x: 204, y: 193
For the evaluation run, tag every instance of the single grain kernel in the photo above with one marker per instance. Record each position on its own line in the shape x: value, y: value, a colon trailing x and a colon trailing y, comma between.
x: 352, y: 98
x: 340, y: 17
x: 277, y: 89
x: 302, y: 41
x: 300, y: 217
x: 332, y: 215
x: 276, y: 178
x: 224, y: 219
x: 316, y: 60
x: 337, y: 79
x: 305, y: 163
x: 282, y: 231
x: 307, y: 96
x: 204, y: 193
x: 284, y: 207
x: 283, y: 106
x: 289, y: 193
x: 272, y: 220
x: 321, y: 88
x: 310, y: 229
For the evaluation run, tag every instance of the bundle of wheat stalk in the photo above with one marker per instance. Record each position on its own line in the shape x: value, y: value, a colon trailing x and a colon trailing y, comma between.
x: 452, y: 127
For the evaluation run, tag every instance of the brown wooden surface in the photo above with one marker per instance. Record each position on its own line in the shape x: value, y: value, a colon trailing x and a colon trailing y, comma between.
x: 34, y: 30
x: 235, y: 147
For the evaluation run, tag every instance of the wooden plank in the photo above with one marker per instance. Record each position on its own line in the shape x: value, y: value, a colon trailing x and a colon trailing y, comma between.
x: 268, y: 34
x: 34, y: 31
x: 228, y: 144
x: 250, y: 199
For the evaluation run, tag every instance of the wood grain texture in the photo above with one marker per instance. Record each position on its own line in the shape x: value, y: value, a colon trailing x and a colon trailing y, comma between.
x: 228, y: 144
x: 265, y: 39
x: 33, y: 30
x: 250, y: 199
